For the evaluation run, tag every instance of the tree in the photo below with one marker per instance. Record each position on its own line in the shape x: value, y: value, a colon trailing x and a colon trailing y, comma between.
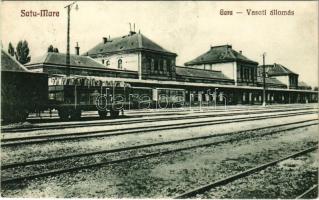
x: 11, y: 49
x: 22, y: 52
x: 52, y: 49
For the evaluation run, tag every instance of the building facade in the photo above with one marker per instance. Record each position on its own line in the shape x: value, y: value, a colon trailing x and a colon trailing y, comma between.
x: 231, y: 63
x: 281, y: 73
x: 140, y: 62
x: 135, y: 52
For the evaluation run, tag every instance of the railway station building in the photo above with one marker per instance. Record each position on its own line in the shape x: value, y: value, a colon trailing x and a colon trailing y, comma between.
x: 135, y: 52
x: 137, y: 60
x: 233, y: 64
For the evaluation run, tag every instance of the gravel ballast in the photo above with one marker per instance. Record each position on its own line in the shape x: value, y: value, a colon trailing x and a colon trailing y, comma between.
x: 168, y: 175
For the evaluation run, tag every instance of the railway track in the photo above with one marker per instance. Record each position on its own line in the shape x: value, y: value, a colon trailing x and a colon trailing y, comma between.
x: 309, y: 191
x: 14, y: 141
x: 143, y: 120
x: 229, y: 179
x: 245, y: 135
x: 169, y: 111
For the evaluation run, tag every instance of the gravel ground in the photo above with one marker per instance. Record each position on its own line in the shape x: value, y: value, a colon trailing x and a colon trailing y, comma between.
x: 46, y: 115
x: 169, y: 175
x: 52, y: 149
x: 35, y: 169
x: 287, y: 180
x: 114, y: 127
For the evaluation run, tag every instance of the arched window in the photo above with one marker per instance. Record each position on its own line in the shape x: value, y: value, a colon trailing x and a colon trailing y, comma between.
x: 107, y: 63
x: 119, y: 64
x: 102, y: 61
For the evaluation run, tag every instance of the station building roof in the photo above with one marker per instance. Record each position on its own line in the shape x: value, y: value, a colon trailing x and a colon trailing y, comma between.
x: 303, y: 85
x: 200, y: 73
x: 60, y: 59
x: 277, y: 70
x: 9, y: 63
x: 271, y: 81
x: 219, y: 54
x: 131, y: 42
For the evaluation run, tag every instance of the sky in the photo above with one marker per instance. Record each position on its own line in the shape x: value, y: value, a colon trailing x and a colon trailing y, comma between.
x: 187, y: 28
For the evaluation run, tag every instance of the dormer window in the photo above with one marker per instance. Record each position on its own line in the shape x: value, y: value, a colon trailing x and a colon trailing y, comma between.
x: 119, y: 64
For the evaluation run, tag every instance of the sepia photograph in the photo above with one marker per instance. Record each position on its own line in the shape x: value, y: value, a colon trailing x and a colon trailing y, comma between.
x: 159, y: 99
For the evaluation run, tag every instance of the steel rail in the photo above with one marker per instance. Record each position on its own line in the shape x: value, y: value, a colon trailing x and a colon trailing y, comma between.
x: 237, y: 176
x: 48, y: 127
x: 313, y: 188
x: 160, y: 153
x: 13, y: 165
x: 107, y: 133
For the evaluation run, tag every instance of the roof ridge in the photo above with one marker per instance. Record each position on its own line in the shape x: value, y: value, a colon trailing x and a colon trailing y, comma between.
x: 199, y: 69
x: 232, y: 53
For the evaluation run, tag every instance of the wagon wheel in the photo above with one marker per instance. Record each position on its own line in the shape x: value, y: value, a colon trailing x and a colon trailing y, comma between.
x: 76, y: 114
x: 23, y: 115
x: 102, y: 114
x: 63, y: 114
x: 115, y: 113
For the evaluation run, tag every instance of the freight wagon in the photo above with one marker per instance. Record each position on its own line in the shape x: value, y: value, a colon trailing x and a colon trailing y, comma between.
x: 22, y: 91
x: 72, y: 95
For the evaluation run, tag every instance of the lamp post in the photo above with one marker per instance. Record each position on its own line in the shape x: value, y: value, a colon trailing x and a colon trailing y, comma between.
x: 264, y: 81
x: 68, y: 37
x: 129, y: 101
x: 190, y: 101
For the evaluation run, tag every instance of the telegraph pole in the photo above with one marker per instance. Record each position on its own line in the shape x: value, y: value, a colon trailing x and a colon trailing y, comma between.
x: 68, y: 38
x: 264, y: 81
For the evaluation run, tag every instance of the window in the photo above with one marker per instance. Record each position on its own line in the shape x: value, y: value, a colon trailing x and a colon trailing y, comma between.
x: 169, y: 66
x: 107, y: 63
x: 102, y: 61
x: 164, y: 65
x: 119, y: 64
x: 242, y: 73
x: 156, y: 65
x: 160, y: 65
x: 152, y: 64
x: 246, y: 74
x: 253, y: 75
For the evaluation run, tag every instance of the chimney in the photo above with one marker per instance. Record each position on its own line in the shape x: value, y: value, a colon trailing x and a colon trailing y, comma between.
x: 77, y: 49
x: 132, y: 32
x: 104, y: 40
x: 241, y: 52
